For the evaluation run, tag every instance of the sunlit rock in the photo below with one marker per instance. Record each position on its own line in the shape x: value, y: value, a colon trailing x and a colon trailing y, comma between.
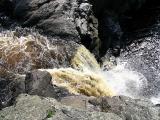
x: 54, y: 17
x: 77, y: 82
x: 36, y: 108
x: 39, y: 83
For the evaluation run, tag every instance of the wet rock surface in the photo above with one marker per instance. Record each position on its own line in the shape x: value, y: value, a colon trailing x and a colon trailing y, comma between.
x: 39, y: 83
x: 53, y: 17
x: 11, y: 86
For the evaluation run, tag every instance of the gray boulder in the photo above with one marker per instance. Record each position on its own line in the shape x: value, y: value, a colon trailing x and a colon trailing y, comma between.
x: 127, y: 108
x: 66, y: 19
x: 11, y: 86
x: 39, y: 83
x: 36, y: 108
x: 54, y: 17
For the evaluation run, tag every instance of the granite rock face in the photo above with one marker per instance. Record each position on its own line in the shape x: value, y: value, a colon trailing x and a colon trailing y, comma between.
x: 11, y: 86
x: 33, y: 107
x: 54, y: 17
x: 67, y: 19
x: 36, y: 108
x: 127, y: 108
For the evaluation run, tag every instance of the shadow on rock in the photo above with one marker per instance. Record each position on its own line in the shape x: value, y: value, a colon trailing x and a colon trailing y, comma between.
x: 40, y: 83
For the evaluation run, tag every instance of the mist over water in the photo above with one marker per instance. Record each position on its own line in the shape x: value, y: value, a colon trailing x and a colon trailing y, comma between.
x: 124, y: 81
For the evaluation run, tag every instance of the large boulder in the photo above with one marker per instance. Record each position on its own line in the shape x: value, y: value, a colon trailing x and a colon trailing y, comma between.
x: 11, y: 85
x: 127, y: 108
x: 117, y: 108
x: 66, y: 19
x: 54, y: 17
x: 39, y: 83
x: 36, y: 108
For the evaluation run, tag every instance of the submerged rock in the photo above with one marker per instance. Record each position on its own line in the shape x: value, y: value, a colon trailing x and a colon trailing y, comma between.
x: 36, y: 108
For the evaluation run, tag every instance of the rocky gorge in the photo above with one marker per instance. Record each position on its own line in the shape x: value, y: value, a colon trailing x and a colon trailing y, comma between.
x: 79, y: 60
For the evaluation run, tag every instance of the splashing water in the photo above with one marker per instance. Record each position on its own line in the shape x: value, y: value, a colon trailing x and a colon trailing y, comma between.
x: 124, y: 81
x: 37, y: 52
x: 156, y: 99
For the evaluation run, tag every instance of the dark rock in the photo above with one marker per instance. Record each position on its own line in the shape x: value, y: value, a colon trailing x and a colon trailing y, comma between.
x: 6, y: 93
x: 11, y: 86
x: 54, y: 17
x: 66, y: 19
x: 109, y: 14
x: 39, y: 83
x: 6, y: 6
x: 114, y: 6
x: 127, y: 108
x: 87, y: 26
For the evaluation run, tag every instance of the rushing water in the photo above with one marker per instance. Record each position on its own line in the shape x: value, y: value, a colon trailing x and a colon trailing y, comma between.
x: 124, y: 81
x: 137, y: 73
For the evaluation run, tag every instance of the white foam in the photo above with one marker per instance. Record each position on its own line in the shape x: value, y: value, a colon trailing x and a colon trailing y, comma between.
x: 156, y: 99
x: 124, y: 81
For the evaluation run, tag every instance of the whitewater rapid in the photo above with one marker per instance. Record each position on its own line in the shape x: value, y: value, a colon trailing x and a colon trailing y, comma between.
x: 127, y: 82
